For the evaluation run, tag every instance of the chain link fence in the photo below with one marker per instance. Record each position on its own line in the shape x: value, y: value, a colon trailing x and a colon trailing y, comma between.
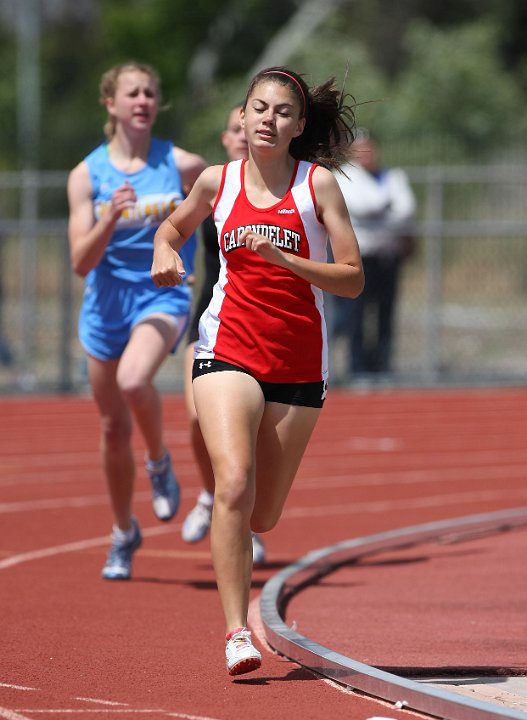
x: 460, y: 316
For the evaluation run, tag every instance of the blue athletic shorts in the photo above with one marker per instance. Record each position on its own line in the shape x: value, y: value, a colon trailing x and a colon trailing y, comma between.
x: 111, y: 308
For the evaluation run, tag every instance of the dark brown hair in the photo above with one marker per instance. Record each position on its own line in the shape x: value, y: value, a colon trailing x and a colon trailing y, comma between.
x: 330, y: 122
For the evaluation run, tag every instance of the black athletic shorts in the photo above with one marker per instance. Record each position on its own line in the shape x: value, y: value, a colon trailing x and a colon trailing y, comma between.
x: 310, y: 394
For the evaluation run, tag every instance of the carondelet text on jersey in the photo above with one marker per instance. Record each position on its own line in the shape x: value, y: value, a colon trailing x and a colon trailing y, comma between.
x: 284, y: 238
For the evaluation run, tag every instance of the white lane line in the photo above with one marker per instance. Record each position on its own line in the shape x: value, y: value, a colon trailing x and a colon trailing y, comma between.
x: 54, y: 503
x: 410, y: 477
x: 312, y: 483
x: 290, y: 514
x: 77, y: 546
x: 93, y: 711
x: 159, y: 712
x: 51, y: 551
x: 47, y: 474
x: 101, y: 702
x: 388, y: 505
x: 79, y: 501
x: 184, y: 716
x: 11, y: 715
x: 16, y: 687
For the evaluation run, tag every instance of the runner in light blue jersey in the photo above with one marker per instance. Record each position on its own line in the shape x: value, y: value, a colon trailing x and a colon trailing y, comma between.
x: 118, y: 196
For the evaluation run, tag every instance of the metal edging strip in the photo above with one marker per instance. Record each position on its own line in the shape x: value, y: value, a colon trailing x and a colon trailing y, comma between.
x: 356, y: 675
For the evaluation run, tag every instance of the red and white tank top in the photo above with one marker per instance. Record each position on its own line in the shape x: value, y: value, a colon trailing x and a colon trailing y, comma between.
x: 262, y: 317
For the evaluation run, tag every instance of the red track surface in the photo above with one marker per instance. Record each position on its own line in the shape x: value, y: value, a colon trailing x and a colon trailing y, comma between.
x: 153, y: 648
x: 430, y: 610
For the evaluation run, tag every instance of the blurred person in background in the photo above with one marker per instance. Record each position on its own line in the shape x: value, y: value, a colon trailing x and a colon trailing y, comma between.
x: 382, y: 207
x: 197, y: 523
x: 6, y: 352
x: 118, y: 195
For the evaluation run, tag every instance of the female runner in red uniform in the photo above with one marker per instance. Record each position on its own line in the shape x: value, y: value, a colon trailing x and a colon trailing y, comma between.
x: 260, y: 369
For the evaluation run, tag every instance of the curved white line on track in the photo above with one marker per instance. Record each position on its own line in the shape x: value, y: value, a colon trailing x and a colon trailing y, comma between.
x: 289, y: 514
x: 76, y: 547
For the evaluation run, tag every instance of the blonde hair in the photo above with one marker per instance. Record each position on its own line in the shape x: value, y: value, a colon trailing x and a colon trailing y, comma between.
x: 108, y: 87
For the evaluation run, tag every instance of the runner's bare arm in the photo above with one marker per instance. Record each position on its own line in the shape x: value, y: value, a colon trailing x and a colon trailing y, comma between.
x: 89, y: 237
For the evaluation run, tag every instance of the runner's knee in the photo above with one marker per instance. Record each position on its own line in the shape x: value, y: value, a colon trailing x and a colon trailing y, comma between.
x: 234, y: 494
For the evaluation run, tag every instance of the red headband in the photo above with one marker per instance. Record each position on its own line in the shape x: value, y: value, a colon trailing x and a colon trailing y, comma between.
x: 291, y: 77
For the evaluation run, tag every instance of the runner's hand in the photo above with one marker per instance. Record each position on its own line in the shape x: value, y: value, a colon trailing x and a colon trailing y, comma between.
x: 167, y: 267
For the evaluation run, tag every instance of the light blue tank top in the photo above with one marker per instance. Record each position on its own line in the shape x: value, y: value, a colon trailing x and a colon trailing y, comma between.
x: 129, y: 253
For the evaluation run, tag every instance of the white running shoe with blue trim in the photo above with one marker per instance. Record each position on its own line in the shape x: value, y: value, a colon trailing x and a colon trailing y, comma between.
x: 165, y: 487
x: 119, y: 561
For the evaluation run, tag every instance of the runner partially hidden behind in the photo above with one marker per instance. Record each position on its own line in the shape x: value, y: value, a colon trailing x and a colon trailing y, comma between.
x: 197, y: 523
x: 260, y: 369
x: 118, y: 195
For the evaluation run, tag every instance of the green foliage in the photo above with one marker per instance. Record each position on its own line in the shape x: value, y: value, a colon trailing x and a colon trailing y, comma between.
x: 163, y: 33
x: 7, y: 103
x: 160, y: 32
x: 333, y: 53
x: 454, y: 87
x: 72, y: 119
x: 166, y: 34
x: 202, y: 135
x: 437, y: 80
x: 452, y: 99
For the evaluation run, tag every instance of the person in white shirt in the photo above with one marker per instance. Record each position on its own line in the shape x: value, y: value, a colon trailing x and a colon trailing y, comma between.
x: 382, y: 208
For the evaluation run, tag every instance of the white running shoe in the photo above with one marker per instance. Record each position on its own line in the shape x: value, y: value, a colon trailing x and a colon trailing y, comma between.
x: 118, y: 564
x: 165, y: 487
x: 197, y: 523
x: 258, y: 550
x: 241, y: 655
